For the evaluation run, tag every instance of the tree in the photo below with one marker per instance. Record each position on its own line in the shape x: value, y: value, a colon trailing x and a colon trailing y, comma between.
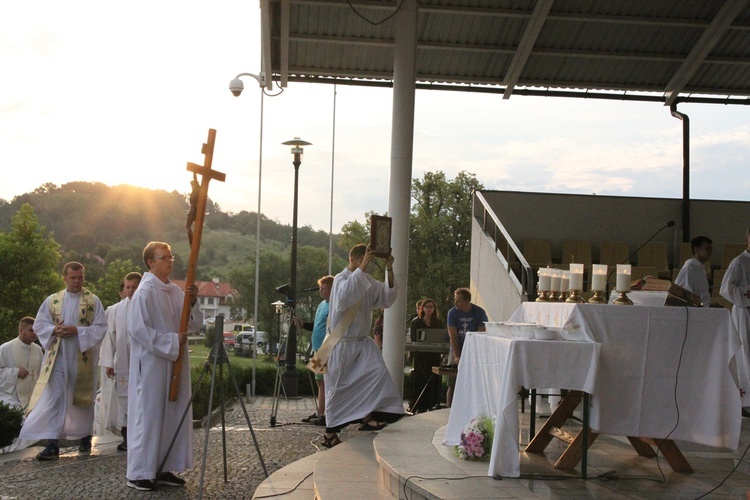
x: 29, y: 260
x: 440, y: 236
x: 107, y: 288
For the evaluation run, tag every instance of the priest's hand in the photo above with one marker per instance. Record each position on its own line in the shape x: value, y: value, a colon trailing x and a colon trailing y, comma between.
x: 369, y: 255
x: 110, y: 372
x: 183, y: 338
x: 22, y: 373
x: 64, y: 332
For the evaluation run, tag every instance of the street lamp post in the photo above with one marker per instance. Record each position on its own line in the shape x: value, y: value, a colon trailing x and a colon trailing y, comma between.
x: 290, y: 377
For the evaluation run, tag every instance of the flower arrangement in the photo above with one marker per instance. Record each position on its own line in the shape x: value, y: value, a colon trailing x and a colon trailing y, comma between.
x: 476, y: 439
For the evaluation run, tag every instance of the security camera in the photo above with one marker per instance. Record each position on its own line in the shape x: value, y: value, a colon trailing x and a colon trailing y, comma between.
x: 236, y: 86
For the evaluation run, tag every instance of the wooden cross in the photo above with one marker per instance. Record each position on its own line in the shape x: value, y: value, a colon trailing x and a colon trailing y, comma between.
x: 206, y: 175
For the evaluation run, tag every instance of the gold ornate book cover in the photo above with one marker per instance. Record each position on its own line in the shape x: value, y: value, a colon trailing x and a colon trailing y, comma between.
x: 380, y: 235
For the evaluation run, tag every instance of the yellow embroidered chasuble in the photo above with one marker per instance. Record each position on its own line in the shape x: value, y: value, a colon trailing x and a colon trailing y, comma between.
x: 84, y: 384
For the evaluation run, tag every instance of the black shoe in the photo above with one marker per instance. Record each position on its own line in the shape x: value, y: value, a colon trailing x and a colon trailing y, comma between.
x: 85, y: 446
x: 321, y: 421
x: 122, y: 446
x: 142, y: 484
x: 51, y: 452
x: 311, y: 419
x: 745, y: 413
x: 169, y: 479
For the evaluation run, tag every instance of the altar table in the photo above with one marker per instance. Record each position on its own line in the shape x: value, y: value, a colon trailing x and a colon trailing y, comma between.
x: 654, y: 362
x: 644, y: 364
x: 491, y: 371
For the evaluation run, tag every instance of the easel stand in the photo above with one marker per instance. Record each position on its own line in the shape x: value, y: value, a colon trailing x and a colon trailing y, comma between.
x: 218, y: 356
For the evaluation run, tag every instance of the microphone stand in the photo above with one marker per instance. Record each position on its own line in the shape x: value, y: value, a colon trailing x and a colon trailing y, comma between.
x: 606, y: 285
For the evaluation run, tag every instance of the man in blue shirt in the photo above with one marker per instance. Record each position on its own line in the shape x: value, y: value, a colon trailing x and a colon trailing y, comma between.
x: 463, y: 317
x: 318, y: 328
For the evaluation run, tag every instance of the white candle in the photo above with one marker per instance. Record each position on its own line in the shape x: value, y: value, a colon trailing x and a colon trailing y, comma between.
x: 599, y: 278
x: 623, y: 277
x: 544, y: 279
x: 565, y: 281
x: 555, y: 281
x: 576, y: 277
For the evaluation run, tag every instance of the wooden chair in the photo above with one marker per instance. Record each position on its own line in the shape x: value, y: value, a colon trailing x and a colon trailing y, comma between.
x: 654, y: 254
x: 577, y: 251
x: 613, y: 252
x: 538, y: 253
x: 729, y: 251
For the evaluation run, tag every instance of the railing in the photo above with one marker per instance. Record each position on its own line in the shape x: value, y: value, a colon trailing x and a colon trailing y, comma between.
x: 505, y: 248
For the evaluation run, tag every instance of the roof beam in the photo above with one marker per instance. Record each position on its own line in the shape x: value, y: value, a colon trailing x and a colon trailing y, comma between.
x: 525, y: 45
x: 708, y: 40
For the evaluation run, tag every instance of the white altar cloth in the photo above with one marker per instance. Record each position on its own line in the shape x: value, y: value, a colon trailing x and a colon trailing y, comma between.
x: 491, y: 372
x: 646, y: 375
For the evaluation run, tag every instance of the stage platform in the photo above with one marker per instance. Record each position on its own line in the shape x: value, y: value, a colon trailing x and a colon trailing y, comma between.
x: 408, y: 461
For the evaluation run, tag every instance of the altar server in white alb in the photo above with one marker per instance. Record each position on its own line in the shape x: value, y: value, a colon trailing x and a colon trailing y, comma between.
x: 115, y: 359
x: 20, y: 361
x: 155, y: 342
x: 736, y: 289
x: 358, y: 385
x: 692, y: 276
x: 70, y: 325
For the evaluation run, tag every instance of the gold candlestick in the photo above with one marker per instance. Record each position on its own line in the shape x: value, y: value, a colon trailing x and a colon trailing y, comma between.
x: 597, y: 298
x: 575, y: 297
x: 623, y: 299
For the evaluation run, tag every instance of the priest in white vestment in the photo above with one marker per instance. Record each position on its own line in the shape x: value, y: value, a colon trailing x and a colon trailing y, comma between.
x: 115, y: 359
x: 692, y: 276
x: 20, y: 361
x: 735, y: 287
x: 357, y: 383
x: 155, y: 342
x: 70, y: 325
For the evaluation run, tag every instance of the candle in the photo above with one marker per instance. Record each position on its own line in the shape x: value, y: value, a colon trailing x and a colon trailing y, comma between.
x: 599, y: 278
x: 623, y: 277
x: 555, y: 281
x: 576, y: 277
x: 544, y: 279
x: 564, y: 281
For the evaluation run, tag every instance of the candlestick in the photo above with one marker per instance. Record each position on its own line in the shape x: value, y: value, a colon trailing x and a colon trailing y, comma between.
x: 576, y: 277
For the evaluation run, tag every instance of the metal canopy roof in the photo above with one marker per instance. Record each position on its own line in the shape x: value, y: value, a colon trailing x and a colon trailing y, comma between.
x: 663, y: 50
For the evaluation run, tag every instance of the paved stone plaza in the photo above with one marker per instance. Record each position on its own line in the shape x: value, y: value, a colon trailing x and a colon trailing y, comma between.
x: 102, y: 473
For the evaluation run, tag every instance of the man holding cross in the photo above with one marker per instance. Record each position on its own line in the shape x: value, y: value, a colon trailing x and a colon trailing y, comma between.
x: 155, y: 343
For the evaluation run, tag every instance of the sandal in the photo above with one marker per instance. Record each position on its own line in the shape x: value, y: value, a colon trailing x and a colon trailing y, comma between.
x: 331, y: 441
x: 372, y: 425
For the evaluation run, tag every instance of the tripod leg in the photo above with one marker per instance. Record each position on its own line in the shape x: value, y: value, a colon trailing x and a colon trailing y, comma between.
x: 223, y: 420
x: 208, y: 419
x: 247, y: 417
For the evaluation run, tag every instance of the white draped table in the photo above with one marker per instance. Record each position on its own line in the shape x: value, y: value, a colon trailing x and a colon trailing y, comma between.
x: 491, y: 371
x: 659, y: 367
x: 656, y: 372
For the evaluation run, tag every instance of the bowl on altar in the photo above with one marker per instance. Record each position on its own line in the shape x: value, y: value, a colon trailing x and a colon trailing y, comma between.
x: 494, y: 327
x: 526, y: 330
x: 542, y: 333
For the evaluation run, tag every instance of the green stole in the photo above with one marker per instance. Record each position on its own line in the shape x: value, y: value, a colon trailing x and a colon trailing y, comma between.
x: 84, y: 384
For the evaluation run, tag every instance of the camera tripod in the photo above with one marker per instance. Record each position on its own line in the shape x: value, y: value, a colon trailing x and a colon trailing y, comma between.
x: 218, y: 356
x: 281, y: 366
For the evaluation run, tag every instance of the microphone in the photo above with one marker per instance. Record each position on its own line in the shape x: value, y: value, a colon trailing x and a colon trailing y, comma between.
x: 668, y: 224
x: 311, y: 289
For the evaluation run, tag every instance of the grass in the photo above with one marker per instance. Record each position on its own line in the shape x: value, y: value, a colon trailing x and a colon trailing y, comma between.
x: 199, y: 353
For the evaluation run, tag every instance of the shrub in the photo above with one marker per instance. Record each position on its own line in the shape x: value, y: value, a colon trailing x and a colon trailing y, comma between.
x: 11, y: 419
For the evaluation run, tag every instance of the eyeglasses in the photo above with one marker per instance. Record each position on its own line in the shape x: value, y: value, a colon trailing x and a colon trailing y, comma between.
x: 166, y: 258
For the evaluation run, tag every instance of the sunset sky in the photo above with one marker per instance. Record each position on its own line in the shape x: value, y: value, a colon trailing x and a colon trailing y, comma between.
x: 126, y: 93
